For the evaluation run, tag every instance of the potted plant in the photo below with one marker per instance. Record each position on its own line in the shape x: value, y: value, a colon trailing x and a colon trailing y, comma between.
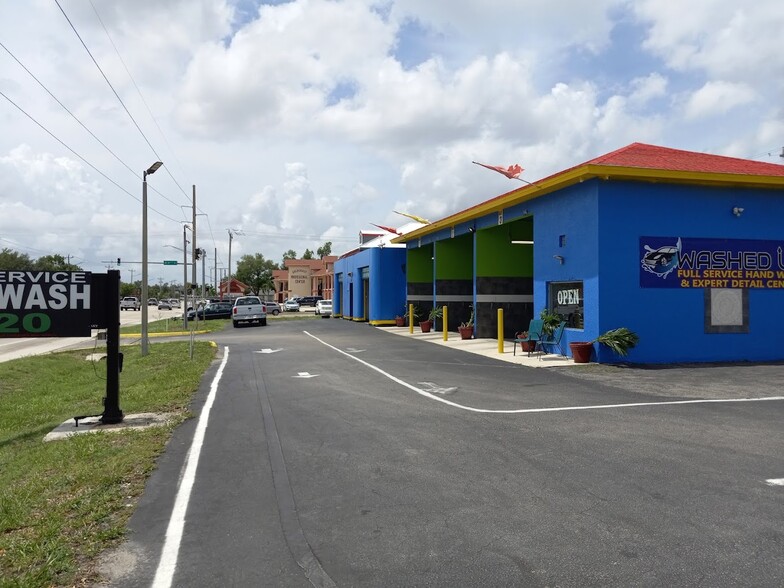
x: 466, y: 329
x: 400, y: 321
x: 619, y: 340
x: 551, y: 320
x: 435, y: 313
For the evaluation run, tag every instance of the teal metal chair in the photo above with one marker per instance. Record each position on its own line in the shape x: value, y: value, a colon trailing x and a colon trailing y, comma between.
x: 534, y: 336
x: 554, y: 339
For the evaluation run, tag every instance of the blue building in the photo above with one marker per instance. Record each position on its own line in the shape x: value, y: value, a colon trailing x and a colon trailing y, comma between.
x: 683, y: 248
x: 370, y: 281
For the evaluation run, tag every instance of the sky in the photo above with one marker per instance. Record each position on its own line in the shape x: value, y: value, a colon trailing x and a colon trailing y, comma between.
x: 306, y: 121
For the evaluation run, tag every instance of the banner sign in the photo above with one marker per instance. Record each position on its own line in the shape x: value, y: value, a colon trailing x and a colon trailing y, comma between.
x: 44, y: 304
x: 682, y: 262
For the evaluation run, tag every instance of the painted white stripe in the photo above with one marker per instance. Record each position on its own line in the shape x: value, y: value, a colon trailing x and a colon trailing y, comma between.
x: 775, y: 482
x: 164, y: 574
x: 549, y: 409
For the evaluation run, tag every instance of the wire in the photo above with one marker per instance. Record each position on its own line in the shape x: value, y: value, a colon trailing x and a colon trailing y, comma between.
x: 64, y: 107
x: 82, y: 158
x: 138, y: 90
x: 128, y: 112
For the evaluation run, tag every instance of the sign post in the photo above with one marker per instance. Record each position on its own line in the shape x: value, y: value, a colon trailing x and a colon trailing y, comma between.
x: 111, y: 402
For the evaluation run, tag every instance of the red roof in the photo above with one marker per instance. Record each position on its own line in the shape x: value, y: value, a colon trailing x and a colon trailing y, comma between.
x: 644, y: 156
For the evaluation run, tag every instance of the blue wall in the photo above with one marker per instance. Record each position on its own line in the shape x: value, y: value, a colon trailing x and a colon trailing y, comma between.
x: 387, y: 283
x: 670, y: 321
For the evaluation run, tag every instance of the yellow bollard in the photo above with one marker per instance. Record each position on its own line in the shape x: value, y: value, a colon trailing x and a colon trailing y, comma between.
x: 500, y: 330
x: 410, y: 319
x: 446, y: 332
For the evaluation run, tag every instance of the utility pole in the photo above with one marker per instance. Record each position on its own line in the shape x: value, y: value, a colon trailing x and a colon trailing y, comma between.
x: 185, y: 278
x: 203, y: 277
x: 228, y: 281
x: 193, y: 252
x: 217, y: 293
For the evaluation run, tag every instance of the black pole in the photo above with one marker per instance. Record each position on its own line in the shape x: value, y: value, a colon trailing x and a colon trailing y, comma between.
x: 111, y: 403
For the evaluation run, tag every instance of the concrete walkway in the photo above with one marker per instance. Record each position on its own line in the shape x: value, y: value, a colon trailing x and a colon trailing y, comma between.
x: 486, y: 347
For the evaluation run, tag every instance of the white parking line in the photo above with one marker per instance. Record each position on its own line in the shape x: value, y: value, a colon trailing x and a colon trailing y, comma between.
x: 775, y: 482
x: 531, y: 410
x: 164, y: 574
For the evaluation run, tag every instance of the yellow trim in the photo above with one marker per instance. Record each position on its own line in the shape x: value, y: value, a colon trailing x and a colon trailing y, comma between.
x: 382, y: 323
x: 589, y: 172
x: 358, y: 319
x: 338, y: 315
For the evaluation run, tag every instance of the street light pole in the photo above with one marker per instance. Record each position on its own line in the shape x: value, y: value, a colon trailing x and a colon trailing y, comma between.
x: 151, y: 170
x: 185, y: 279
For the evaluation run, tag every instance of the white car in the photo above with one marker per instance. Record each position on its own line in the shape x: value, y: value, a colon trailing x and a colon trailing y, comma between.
x: 324, y: 308
x: 291, y: 305
x: 130, y: 303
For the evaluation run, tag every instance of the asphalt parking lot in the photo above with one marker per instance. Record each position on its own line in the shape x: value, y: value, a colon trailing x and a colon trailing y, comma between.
x: 395, y: 462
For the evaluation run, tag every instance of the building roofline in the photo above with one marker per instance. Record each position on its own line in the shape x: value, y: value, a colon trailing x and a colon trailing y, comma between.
x: 600, y: 168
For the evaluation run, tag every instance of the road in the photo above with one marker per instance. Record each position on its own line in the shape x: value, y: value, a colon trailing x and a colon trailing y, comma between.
x: 336, y: 454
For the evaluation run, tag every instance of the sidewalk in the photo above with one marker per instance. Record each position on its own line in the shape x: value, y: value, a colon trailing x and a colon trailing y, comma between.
x: 486, y: 347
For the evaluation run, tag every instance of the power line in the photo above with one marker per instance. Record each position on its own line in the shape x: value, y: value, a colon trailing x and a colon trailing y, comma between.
x: 64, y: 107
x: 128, y: 112
x: 22, y: 110
x: 138, y: 90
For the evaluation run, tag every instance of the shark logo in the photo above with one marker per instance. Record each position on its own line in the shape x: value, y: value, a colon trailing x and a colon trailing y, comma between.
x: 662, y: 260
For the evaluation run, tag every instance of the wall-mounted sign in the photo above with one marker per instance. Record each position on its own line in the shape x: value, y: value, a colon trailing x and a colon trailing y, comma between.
x: 566, y: 299
x: 44, y: 304
x: 682, y: 262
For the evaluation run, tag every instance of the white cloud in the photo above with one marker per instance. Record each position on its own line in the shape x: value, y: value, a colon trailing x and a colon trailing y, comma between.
x: 313, y: 118
x: 716, y: 98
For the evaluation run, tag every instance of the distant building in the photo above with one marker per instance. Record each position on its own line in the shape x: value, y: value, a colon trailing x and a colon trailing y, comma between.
x: 237, y: 289
x: 305, y: 277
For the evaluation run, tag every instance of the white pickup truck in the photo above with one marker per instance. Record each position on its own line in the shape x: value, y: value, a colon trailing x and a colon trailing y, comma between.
x: 248, y: 309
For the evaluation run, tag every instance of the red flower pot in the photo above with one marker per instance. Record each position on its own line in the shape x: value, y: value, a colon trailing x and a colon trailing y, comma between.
x: 581, y: 351
x: 426, y: 326
x: 400, y: 321
x: 466, y: 332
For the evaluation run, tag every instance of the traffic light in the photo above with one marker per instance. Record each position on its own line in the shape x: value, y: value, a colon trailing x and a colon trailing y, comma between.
x: 198, y: 253
x: 118, y: 261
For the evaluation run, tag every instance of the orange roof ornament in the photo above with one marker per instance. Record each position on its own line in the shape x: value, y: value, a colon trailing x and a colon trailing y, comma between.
x: 512, y: 172
x: 388, y: 229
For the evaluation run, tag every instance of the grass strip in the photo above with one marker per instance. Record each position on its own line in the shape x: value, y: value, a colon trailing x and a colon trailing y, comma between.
x: 64, y: 502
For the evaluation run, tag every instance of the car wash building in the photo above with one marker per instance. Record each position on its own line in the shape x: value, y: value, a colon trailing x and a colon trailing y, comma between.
x: 683, y: 248
x: 370, y: 281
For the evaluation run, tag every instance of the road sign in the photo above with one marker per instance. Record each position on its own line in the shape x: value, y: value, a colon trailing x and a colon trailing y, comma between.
x: 169, y: 262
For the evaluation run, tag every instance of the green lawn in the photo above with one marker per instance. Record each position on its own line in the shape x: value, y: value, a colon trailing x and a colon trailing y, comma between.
x: 63, y: 502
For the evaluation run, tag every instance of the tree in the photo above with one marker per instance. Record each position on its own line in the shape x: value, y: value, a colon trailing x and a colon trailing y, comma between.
x: 256, y: 272
x: 308, y: 254
x: 11, y: 260
x: 324, y: 250
x: 290, y: 254
x: 56, y: 262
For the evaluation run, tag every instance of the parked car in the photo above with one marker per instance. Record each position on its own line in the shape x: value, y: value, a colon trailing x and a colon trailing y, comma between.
x: 164, y: 304
x: 248, y: 309
x: 291, y: 305
x: 130, y: 303
x: 152, y: 302
x: 324, y: 308
x: 309, y: 300
x: 174, y: 302
x: 212, y: 310
x: 273, y: 308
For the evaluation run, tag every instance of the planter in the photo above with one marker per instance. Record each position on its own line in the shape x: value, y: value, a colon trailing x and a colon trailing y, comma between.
x: 581, y: 351
x: 529, y: 346
x: 466, y: 332
x: 426, y: 326
x: 400, y: 321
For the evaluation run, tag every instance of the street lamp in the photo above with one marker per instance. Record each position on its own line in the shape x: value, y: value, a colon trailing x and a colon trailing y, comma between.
x: 151, y: 170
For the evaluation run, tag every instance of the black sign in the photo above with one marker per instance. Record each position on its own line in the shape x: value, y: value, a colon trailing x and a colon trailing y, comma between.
x: 44, y: 304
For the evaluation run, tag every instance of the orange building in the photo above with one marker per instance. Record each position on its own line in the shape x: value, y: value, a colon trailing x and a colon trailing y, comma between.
x: 305, y: 277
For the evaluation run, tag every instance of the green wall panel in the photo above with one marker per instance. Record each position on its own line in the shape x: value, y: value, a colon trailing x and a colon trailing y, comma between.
x: 455, y: 258
x: 497, y: 257
x: 419, y: 264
